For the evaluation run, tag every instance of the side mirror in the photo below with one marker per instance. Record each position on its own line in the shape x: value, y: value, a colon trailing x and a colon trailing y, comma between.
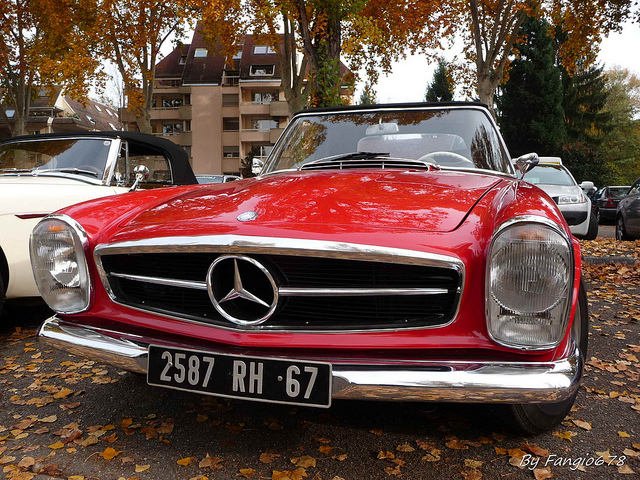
x: 142, y: 173
x: 587, y: 186
x: 526, y: 162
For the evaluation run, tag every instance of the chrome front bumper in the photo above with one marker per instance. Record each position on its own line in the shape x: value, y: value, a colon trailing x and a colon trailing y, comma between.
x: 445, y: 381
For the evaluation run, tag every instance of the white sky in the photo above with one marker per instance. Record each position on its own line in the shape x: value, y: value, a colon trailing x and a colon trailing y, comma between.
x: 410, y: 77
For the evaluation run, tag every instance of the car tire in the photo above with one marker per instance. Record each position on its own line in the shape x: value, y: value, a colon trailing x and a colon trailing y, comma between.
x: 621, y: 231
x: 538, y: 418
x: 592, y: 233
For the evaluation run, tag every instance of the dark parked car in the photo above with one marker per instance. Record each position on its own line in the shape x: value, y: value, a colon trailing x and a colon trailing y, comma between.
x: 628, y: 214
x: 385, y: 252
x: 606, y: 200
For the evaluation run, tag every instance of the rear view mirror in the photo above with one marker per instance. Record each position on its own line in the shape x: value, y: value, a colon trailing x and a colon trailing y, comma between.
x: 382, y: 129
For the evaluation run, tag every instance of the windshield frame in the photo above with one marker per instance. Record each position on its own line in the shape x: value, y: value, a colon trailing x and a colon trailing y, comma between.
x: 112, y: 154
x: 390, y: 109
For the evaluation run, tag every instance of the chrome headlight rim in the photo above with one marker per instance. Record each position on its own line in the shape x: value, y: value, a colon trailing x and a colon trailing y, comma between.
x: 83, y: 239
x: 530, y: 220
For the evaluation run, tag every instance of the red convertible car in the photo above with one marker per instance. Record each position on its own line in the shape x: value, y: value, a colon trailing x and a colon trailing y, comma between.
x: 386, y: 252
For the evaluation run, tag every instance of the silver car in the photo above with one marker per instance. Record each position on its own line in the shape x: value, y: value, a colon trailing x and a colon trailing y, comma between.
x: 559, y: 184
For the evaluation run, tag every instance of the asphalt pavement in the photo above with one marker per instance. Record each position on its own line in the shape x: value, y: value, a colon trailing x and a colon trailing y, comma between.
x: 66, y: 417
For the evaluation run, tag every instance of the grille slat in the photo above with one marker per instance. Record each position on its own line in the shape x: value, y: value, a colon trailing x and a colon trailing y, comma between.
x: 299, y: 312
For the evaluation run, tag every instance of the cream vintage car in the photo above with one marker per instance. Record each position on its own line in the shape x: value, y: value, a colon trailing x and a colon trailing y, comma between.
x: 41, y: 174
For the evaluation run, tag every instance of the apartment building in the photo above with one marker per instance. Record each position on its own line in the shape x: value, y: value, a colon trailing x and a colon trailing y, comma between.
x: 216, y: 111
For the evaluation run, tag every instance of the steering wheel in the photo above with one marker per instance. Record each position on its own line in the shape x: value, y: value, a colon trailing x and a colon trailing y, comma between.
x: 447, y: 159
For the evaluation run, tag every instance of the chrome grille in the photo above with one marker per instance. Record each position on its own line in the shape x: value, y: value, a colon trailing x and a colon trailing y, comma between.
x: 343, y: 288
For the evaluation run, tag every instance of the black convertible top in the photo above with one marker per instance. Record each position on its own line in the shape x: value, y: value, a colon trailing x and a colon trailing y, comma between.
x: 139, y: 143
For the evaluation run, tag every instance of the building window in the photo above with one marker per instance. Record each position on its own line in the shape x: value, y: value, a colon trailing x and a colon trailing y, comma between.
x: 113, y: 127
x: 264, y: 125
x: 183, y: 60
x: 98, y: 108
x: 171, y: 102
x: 262, y: 151
x: 91, y: 119
x: 200, y: 53
x: 238, y: 55
x: 262, y: 70
x: 262, y: 50
x: 230, y: 100
x: 264, y: 98
x: 230, y: 124
x: 171, y: 128
x: 231, y: 152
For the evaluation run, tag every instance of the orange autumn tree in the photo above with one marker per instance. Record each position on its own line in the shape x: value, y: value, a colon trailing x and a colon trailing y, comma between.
x: 366, y: 33
x: 131, y: 36
x: 489, y: 29
x: 43, y: 44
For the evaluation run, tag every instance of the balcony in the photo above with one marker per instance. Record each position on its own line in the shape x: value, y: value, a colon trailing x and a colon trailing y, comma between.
x: 279, y: 109
x: 185, y: 112
x: 254, y: 108
x: 181, y: 138
x: 274, y: 134
x: 254, y: 135
x: 165, y: 113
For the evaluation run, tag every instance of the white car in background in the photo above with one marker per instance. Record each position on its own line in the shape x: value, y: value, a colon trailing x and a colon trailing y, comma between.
x: 40, y: 174
x: 553, y: 177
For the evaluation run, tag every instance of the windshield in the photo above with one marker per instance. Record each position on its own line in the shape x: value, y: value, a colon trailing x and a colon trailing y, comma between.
x: 452, y: 137
x: 549, y: 175
x: 87, y: 157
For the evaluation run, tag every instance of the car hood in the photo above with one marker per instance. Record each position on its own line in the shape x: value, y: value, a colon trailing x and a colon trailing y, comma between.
x: 431, y: 201
x: 43, y: 195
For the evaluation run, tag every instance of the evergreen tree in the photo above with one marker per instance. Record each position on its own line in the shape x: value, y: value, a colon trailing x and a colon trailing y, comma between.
x: 530, y: 102
x: 585, y: 97
x: 368, y: 96
x: 441, y: 88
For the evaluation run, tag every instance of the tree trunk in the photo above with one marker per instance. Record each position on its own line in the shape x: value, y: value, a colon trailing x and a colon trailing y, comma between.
x: 486, y: 89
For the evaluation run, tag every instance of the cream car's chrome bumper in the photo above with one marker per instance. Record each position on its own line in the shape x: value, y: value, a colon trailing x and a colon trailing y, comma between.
x: 446, y: 381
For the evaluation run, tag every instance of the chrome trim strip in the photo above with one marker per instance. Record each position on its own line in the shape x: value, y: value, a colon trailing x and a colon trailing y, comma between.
x: 293, y: 292
x: 358, y: 292
x: 451, y: 381
x: 170, y: 282
x: 279, y: 246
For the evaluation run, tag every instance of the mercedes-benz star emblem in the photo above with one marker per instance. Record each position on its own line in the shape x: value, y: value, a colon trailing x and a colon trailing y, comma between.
x: 241, y: 289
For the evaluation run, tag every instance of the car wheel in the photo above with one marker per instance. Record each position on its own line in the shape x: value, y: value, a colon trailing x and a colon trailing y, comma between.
x: 538, y: 418
x: 592, y: 233
x: 621, y: 232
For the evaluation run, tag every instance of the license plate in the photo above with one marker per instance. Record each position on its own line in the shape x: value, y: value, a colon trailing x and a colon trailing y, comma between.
x: 271, y: 380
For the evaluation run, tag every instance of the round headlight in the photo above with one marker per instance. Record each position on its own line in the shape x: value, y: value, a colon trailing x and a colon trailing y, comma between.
x: 529, y: 285
x: 57, y: 250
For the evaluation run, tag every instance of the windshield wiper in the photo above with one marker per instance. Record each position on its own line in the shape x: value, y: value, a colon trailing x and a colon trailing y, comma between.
x: 69, y: 170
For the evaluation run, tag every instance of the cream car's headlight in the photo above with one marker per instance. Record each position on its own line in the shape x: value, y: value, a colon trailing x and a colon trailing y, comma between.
x: 57, y: 249
x: 571, y: 199
x: 529, y: 285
